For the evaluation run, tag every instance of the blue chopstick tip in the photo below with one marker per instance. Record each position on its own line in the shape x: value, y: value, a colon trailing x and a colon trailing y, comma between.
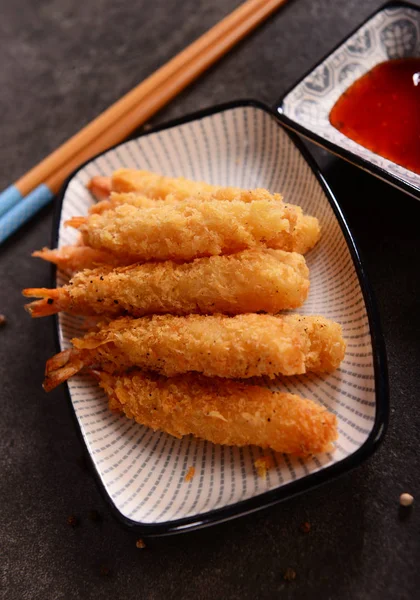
x: 21, y: 212
x: 9, y: 198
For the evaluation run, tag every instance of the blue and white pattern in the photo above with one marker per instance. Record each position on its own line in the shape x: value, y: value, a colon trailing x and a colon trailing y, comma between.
x: 391, y: 33
x: 143, y: 471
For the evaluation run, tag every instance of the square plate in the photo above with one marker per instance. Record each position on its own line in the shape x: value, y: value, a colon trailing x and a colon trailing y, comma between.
x: 392, y: 32
x: 143, y: 472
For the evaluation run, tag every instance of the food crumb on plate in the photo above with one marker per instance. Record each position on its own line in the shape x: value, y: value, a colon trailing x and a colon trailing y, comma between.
x: 140, y: 543
x: 190, y: 474
x: 264, y: 464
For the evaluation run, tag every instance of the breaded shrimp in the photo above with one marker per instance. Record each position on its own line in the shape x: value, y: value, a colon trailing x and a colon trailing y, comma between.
x: 222, y: 411
x: 250, y: 281
x: 187, y: 230
x: 143, y: 201
x: 71, y: 259
x: 303, y: 234
x: 158, y: 186
x: 235, y: 347
x: 137, y: 200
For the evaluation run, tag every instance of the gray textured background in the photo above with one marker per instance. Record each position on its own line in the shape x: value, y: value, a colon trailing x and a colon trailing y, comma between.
x: 62, y: 62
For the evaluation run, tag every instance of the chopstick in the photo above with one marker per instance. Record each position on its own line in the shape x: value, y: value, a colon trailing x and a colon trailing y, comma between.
x: 128, y: 113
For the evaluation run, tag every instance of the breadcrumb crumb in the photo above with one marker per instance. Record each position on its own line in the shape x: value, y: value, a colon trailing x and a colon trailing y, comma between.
x: 140, y: 543
x: 264, y: 464
x: 190, y: 474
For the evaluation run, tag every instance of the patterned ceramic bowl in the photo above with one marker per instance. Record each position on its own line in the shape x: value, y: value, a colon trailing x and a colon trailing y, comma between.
x: 143, y: 472
x: 392, y: 32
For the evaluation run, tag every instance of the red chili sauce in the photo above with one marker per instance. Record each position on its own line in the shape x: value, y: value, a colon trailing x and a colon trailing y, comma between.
x: 381, y: 111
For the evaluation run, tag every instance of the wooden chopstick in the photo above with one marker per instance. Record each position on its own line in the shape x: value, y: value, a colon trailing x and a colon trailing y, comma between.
x: 128, y: 113
x: 44, y: 180
x: 172, y: 86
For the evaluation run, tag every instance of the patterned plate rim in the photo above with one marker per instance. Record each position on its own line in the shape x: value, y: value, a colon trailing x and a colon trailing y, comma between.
x: 352, y: 157
x: 378, y: 348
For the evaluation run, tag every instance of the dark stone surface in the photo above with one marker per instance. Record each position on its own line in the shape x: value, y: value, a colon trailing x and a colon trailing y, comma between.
x: 62, y: 63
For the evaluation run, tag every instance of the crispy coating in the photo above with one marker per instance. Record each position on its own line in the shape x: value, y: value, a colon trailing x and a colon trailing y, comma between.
x: 250, y: 281
x: 137, y: 200
x: 160, y: 187
x: 187, y: 230
x: 302, y: 235
x: 71, y: 259
x: 305, y: 235
x: 132, y: 187
x: 222, y: 411
x: 143, y: 201
x: 234, y: 347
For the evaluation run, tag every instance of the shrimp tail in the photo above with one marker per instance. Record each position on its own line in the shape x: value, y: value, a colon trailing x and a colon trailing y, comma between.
x: 52, y: 301
x: 71, y: 259
x: 76, y: 222
x: 61, y: 367
x: 46, y: 254
x: 100, y: 187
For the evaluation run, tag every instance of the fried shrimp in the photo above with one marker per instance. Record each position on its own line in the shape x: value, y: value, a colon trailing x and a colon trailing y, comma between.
x: 143, y: 201
x: 187, y: 230
x: 234, y: 347
x: 250, y: 281
x: 222, y: 411
x: 303, y: 234
x: 160, y: 187
x: 137, y: 200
